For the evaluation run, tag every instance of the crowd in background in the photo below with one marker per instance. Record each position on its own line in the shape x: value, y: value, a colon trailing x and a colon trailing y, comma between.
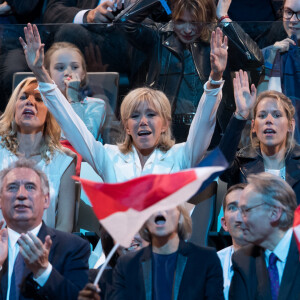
x: 113, y: 90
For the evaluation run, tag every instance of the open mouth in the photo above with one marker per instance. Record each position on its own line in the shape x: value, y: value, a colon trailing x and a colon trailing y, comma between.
x: 144, y: 132
x: 160, y: 220
x: 269, y: 131
x: 28, y: 112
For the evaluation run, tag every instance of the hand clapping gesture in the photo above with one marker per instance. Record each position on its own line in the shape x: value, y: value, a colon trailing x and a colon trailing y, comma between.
x: 34, y: 252
x: 244, y: 99
x: 218, y: 54
x: 3, y: 243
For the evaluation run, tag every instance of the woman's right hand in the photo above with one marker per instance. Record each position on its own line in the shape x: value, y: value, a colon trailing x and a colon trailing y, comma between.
x: 244, y: 99
x: 72, y: 83
x: 284, y: 45
x: 34, y: 53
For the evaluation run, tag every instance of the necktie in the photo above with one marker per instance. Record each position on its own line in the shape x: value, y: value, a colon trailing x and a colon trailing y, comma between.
x: 274, y: 276
x: 16, y: 278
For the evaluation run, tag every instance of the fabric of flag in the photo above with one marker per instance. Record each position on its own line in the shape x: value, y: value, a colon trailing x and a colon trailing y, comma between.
x: 297, y: 226
x: 122, y: 208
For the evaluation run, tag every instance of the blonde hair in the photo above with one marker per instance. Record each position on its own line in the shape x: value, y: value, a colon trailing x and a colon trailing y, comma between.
x: 159, y: 101
x: 65, y: 45
x: 289, y: 111
x: 202, y: 11
x: 8, y: 126
x: 184, y: 226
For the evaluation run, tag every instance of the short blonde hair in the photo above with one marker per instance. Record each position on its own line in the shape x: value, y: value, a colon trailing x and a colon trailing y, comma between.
x: 8, y: 128
x: 289, y: 109
x: 184, y: 226
x: 203, y: 11
x: 65, y: 45
x: 276, y: 192
x: 159, y: 101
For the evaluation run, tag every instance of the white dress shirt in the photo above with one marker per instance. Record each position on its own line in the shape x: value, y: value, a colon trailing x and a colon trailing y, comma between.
x: 225, y: 256
x: 13, y: 251
x: 281, y: 251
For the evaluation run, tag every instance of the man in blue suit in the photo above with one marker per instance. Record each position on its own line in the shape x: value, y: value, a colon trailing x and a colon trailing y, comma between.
x: 36, y: 262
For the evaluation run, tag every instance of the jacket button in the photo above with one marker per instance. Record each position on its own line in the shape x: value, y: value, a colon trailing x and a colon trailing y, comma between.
x: 167, y: 43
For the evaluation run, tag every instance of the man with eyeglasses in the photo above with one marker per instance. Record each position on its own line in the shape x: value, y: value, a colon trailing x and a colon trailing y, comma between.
x: 269, y: 268
x: 282, y: 60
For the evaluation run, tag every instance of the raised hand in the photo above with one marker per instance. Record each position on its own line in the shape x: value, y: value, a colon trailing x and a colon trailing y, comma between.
x: 244, y: 99
x: 222, y: 8
x: 218, y: 54
x: 33, y: 48
x: 93, y: 59
x: 35, y: 253
x: 3, y: 243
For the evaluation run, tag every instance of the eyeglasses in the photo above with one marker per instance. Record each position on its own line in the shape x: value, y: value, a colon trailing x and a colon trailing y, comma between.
x: 245, y: 210
x: 288, y: 14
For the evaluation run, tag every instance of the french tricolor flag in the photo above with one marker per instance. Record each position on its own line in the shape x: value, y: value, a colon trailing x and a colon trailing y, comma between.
x: 123, y: 208
x: 296, y: 226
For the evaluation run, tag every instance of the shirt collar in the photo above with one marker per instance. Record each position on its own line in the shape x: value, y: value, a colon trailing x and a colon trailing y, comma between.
x: 282, y: 248
x: 13, y: 236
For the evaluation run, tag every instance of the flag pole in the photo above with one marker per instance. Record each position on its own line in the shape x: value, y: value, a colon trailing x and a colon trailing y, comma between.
x: 111, y: 253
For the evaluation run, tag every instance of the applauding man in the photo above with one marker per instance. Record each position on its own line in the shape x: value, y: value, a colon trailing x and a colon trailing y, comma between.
x: 36, y: 262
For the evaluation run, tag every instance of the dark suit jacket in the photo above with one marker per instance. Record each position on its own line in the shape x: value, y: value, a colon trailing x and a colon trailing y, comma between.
x: 249, y: 160
x: 64, y: 11
x: 251, y: 279
x: 198, y: 275
x: 69, y: 258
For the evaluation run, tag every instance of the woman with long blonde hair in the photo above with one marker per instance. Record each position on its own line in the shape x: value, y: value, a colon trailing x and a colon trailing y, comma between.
x: 27, y: 129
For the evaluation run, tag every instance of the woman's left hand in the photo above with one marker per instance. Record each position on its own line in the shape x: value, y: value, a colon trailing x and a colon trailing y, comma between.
x: 33, y: 48
x: 218, y: 54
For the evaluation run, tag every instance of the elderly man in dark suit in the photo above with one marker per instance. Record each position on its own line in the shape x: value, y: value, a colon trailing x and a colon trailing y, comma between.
x: 268, y: 269
x: 36, y: 262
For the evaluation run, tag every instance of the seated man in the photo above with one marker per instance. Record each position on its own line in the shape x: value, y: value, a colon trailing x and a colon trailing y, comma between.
x: 270, y: 267
x: 231, y: 222
x: 169, y: 268
x: 36, y: 262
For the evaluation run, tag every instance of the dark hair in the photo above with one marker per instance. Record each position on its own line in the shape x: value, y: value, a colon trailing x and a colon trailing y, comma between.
x: 239, y: 186
x: 203, y: 11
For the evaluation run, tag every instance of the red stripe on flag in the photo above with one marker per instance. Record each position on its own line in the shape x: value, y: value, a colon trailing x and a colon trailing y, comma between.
x: 138, y: 193
x: 297, y: 216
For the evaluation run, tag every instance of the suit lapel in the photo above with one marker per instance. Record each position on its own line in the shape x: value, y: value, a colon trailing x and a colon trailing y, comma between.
x: 263, y: 283
x: 290, y: 270
x: 147, y: 272
x: 4, y: 279
x: 180, y: 266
